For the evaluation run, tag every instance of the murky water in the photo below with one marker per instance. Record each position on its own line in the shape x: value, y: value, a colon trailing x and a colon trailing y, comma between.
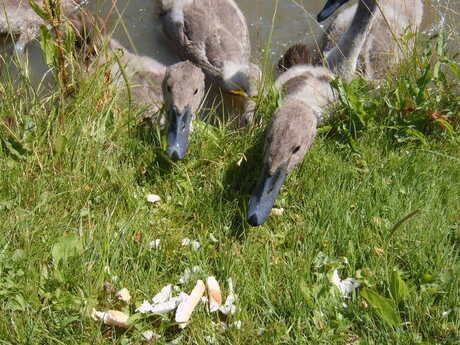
x: 285, y: 21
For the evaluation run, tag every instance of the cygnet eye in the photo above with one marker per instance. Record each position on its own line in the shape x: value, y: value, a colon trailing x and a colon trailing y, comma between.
x: 195, y: 92
x: 297, y: 148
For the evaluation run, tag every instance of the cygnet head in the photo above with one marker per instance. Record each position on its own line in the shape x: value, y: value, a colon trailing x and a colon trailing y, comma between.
x: 241, y: 79
x: 291, y: 134
x: 329, y: 9
x: 183, y: 92
x: 297, y: 54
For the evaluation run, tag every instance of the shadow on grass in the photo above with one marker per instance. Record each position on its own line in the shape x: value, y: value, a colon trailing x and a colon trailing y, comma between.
x: 239, y: 182
x: 158, y: 164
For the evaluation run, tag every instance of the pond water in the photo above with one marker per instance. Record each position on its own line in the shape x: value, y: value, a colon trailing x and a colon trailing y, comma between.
x: 285, y: 21
x: 294, y: 22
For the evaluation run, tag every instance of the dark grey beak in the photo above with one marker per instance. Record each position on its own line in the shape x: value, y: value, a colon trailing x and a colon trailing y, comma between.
x: 264, y: 196
x: 329, y: 9
x: 178, y: 132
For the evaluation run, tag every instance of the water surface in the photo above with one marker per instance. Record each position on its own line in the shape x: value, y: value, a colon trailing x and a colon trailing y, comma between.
x: 285, y: 21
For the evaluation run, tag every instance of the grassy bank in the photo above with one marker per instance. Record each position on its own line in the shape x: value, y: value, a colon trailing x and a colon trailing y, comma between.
x: 76, y: 168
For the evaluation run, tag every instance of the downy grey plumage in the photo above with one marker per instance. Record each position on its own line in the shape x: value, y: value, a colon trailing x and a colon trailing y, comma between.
x: 306, y: 93
x: 19, y: 20
x: 151, y: 84
x: 213, y: 34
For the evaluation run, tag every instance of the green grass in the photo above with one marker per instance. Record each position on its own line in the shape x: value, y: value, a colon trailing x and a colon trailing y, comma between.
x: 74, y: 175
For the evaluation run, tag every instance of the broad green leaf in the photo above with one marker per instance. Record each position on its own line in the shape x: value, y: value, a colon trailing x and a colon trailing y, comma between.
x: 17, y: 303
x: 324, y: 129
x: 384, y: 307
x: 47, y: 45
x: 342, y: 92
x: 415, y: 134
x: 441, y: 44
x: 66, y: 247
x: 398, y: 287
x: 69, y: 39
x: 14, y: 148
x: 39, y: 11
